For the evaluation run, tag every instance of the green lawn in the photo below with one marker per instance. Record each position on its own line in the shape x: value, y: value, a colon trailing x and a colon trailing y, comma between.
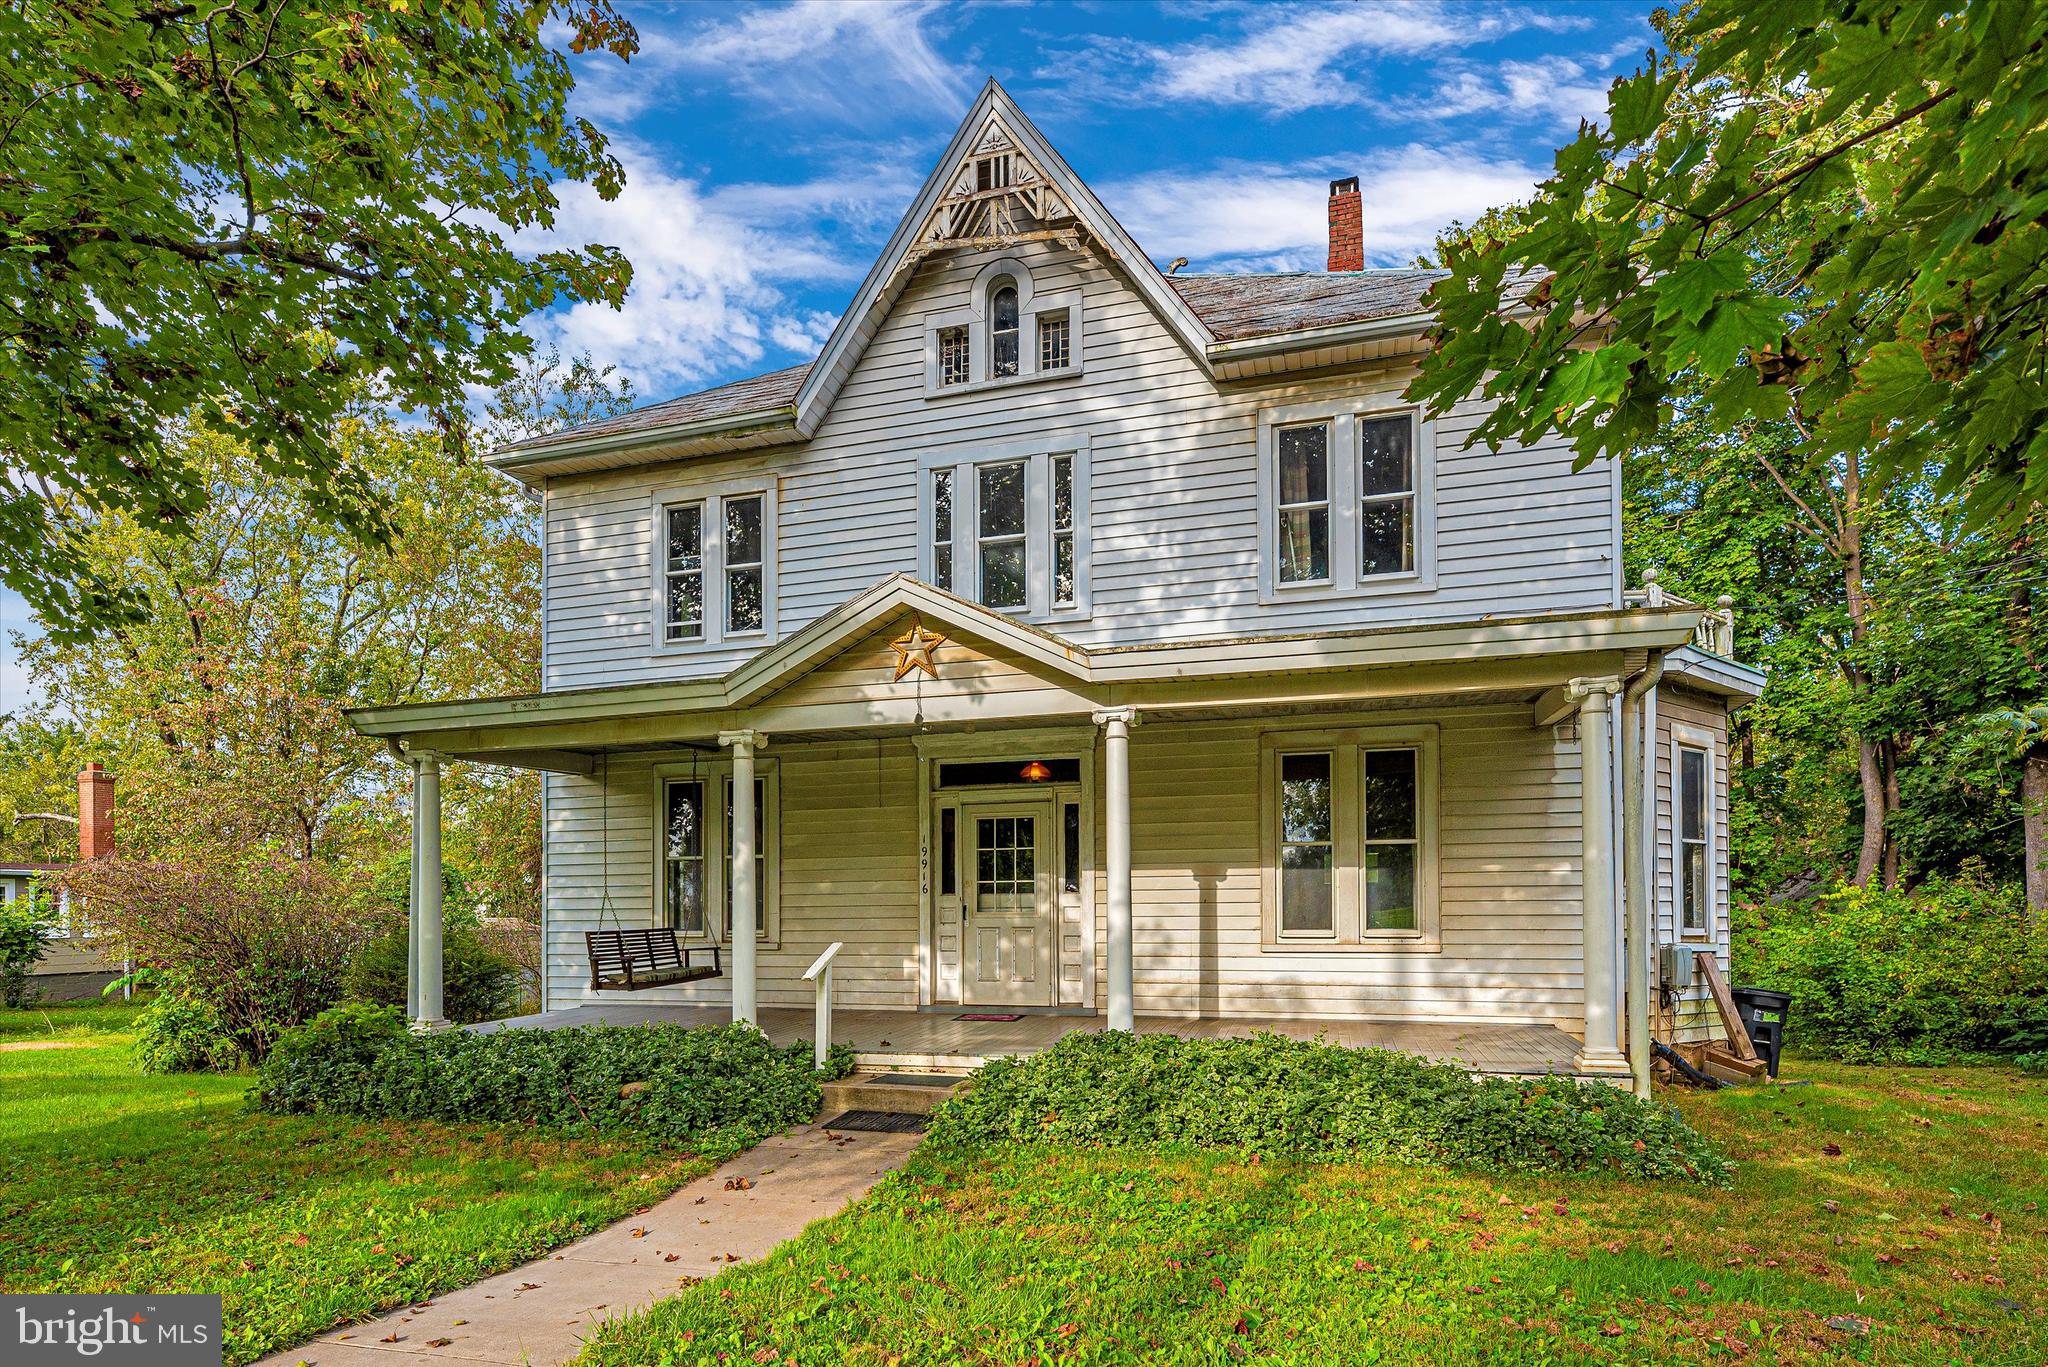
x: 113, y: 1181
x: 1924, y: 1230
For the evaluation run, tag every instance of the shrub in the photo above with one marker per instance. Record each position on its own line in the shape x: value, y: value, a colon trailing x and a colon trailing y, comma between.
x: 477, y: 982
x: 178, y: 1033
x: 26, y: 925
x: 1953, y: 967
x: 262, y: 941
x: 1277, y: 1097
x: 717, y: 1089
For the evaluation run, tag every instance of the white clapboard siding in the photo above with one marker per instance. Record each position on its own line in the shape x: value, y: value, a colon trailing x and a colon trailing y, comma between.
x: 1696, y: 1016
x: 1172, y: 543
x: 1509, y: 880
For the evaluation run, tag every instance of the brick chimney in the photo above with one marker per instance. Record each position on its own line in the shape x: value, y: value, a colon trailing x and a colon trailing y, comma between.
x: 1347, y: 226
x: 95, y: 811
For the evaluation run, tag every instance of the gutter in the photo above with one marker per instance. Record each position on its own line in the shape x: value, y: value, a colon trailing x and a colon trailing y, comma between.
x: 515, y: 459
x: 1372, y: 329
x: 1635, y: 870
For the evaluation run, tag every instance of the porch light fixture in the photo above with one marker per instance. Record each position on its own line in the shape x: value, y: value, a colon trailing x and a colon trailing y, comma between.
x: 1035, y: 772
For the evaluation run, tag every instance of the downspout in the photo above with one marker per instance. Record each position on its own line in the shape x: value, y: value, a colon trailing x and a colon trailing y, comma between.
x: 1635, y: 874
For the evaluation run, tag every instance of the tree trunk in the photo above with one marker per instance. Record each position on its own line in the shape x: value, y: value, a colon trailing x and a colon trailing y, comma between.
x: 2034, y: 803
x: 1870, y: 767
x: 1889, y: 753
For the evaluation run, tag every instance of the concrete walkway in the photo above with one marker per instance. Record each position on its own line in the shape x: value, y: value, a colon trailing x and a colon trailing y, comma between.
x: 540, y: 1313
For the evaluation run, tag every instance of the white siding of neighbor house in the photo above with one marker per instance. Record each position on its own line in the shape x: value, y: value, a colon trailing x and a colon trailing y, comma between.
x: 1172, y: 509
x: 1509, y: 879
x: 1695, y: 1016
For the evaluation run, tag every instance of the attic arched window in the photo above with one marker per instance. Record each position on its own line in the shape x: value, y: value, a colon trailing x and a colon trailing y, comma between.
x: 1002, y: 328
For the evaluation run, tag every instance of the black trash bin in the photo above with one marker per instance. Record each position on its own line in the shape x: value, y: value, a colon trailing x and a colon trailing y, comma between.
x: 1763, y: 1014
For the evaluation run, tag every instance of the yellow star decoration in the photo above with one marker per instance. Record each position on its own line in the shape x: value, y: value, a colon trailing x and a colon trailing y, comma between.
x: 914, y: 650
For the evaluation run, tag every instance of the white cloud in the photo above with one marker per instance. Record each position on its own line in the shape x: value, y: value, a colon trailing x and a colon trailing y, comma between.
x: 1277, y: 217
x: 712, y: 269
x: 849, y: 60
x: 1294, y: 59
x: 1551, y: 89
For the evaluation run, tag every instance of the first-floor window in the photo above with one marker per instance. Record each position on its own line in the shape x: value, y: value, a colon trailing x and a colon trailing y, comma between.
x: 1695, y: 882
x: 760, y: 860
x: 999, y: 535
x: 1392, y: 834
x: 683, y: 577
x: 1063, y: 531
x: 1350, y: 838
x: 696, y: 856
x: 683, y: 856
x: 1307, y: 845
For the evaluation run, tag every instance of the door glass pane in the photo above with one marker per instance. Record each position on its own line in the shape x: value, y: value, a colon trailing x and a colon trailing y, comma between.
x: 1070, y: 847
x: 1390, y: 795
x: 1005, y: 861
x: 1390, y: 887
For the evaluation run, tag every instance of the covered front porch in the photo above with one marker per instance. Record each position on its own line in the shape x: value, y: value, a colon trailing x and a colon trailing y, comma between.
x: 915, y: 1040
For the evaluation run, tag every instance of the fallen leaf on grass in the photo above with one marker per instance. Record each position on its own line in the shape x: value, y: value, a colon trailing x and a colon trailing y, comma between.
x: 1832, y: 1150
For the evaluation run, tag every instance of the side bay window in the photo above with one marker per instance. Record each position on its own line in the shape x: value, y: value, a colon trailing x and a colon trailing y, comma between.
x: 1345, y: 500
x: 714, y: 566
x: 1695, y: 863
x: 1350, y: 839
x: 695, y: 844
x: 1008, y: 528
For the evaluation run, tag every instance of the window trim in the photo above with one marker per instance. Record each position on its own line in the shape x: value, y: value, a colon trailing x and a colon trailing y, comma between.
x: 1348, y: 746
x: 1037, y: 457
x: 713, y: 497
x: 1686, y: 737
x: 714, y: 775
x: 974, y: 316
x: 1344, y: 416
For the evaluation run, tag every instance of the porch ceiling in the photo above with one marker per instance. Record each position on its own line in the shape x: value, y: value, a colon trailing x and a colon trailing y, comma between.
x: 1053, y: 680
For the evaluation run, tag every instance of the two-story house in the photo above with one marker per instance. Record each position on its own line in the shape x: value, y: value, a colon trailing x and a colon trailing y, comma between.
x: 1097, y: 646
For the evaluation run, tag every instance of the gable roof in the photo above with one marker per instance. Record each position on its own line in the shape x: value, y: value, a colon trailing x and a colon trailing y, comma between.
x: 1218, y: 319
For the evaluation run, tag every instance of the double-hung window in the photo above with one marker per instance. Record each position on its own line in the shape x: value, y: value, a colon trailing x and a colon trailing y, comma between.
x: 1692, y: 793
x: 695, y: 842
x: 1008, y: 528
x: 1350, y: 838
x: 1344, y: 500
x: 715, y: 565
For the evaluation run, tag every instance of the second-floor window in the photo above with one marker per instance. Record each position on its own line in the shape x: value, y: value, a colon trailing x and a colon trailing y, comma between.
x: 1344, y: 500
x: 715, y: 567
x: 1002, y: 328
x: 1009, y: 531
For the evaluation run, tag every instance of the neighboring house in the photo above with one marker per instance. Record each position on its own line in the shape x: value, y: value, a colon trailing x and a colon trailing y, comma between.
x: 72, y: 965
x: 1095, y: 640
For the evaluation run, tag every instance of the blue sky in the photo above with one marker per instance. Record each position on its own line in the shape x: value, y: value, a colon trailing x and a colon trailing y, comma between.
x: 770, y: 149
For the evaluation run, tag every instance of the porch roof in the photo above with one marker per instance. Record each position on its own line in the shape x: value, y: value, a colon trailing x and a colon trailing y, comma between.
x: 561, y: 730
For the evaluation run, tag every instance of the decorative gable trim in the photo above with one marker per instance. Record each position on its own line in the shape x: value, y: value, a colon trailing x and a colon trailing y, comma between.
x: 955, y: 211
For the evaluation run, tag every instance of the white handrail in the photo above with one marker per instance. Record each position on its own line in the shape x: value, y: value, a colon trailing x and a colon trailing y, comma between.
x: 820, y: 972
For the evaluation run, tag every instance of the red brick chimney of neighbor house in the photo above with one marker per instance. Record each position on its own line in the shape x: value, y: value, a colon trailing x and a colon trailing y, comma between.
x: 1347, y: 226
x: 95, y: 811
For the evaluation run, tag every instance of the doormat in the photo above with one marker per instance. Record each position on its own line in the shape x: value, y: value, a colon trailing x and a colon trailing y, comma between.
x: 877, y: 1122
x: 991, y: 1016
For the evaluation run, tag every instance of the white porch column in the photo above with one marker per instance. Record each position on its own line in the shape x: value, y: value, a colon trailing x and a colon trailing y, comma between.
x: 412, y: 902
x: 1116, y: 723
x: 1601, y: 1052
x: 426, y: 872
x: 742, y: 947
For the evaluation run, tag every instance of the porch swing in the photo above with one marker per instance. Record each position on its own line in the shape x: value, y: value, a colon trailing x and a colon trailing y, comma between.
x: 633, y: 959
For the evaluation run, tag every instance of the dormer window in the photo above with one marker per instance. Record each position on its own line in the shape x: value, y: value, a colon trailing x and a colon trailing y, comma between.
x: 1003, y: 332
x: 1002, y: 329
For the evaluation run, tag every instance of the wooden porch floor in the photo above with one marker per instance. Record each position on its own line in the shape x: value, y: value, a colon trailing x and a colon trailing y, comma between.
x: 940, y: 1039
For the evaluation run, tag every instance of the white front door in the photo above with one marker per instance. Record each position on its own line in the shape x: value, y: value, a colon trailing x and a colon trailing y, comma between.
x: 1008, y: 910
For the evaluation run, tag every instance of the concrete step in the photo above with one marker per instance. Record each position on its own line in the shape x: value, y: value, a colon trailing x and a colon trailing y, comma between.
x: 898, y: 1093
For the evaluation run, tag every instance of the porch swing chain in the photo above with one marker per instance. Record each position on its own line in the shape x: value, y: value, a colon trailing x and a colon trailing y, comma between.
x: 607, y: 910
